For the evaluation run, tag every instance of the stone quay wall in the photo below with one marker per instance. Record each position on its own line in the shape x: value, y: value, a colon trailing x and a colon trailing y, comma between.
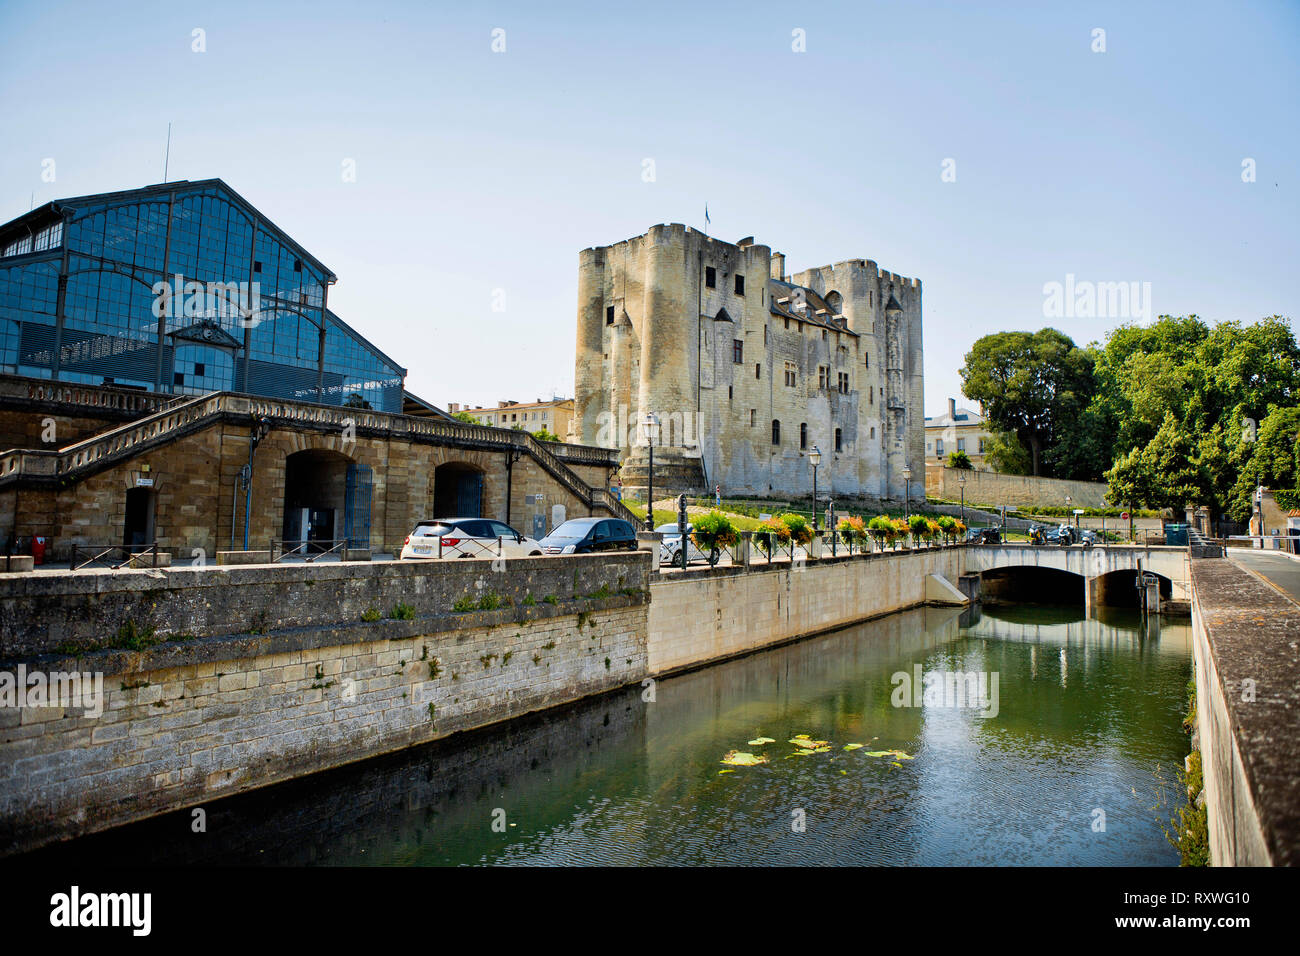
x: 311, y: 685
x: 1247, y: 698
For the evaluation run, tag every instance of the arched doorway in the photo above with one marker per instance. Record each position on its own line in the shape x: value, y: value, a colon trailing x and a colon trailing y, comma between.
x: 326, y: 499
x: 457, y: 491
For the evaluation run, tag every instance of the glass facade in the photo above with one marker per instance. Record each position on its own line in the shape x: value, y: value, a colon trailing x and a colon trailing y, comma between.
x: 181, y: 288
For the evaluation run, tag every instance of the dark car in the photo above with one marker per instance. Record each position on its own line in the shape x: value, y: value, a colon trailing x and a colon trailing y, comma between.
x: 588, y: 535
x: 984, y: 536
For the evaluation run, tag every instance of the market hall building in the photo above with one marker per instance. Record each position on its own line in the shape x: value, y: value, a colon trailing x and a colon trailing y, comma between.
x: 155, y: 341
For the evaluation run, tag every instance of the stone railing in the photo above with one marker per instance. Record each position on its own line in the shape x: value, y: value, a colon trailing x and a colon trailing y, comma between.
x: 176, y: 417
x: 91, y: 397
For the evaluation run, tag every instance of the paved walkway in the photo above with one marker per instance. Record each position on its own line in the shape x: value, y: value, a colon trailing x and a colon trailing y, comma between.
x: 1279, y: 570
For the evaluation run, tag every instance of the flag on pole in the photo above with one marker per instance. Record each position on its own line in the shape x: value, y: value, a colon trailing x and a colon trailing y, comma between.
x: 706, y: 215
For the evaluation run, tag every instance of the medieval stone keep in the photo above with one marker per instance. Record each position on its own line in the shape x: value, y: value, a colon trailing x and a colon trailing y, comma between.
x: 748, y: 369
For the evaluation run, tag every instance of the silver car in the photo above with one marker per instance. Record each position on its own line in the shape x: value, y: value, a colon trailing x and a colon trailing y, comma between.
x: 670, y: 550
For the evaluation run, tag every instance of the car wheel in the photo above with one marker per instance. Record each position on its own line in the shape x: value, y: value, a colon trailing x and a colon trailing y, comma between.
x: 534, y: 554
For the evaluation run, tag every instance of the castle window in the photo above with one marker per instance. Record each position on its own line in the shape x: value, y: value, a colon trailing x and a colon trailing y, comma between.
x: 866, y: 360
x: 873, y: 431
x: 871, y: 393
x: 753, y: 417
x: 737, y: 351
x: 790, y: 375
x: 765, y: 335
x: 609, y: 315
x: 787, y: 325
x: 961, y: 444
x: 710, y: 277
x: 823, y: 376
x: 839, y: 446
x: 803, y: 435
x: 740, y: 284
x: 869, y: 297
x: 729, y: 393
x: 823, y: 335
x: 844, y: 383
x: 938, y: 446
x: 776, y: 432
x: 758, y: 370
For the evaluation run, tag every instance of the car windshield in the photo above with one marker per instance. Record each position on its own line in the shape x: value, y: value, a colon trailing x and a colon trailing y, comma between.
x: 670, y: 528
x: 570, y: 531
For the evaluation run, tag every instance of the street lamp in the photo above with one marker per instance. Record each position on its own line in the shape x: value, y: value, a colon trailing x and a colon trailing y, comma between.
x: 961, y: 483
x: 815, y: 456
x: 1068, y: 500
x: 650, y: 431
x: 907, y: 491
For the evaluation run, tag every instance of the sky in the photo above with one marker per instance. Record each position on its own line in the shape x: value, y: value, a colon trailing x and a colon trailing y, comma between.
x: 989, y: 149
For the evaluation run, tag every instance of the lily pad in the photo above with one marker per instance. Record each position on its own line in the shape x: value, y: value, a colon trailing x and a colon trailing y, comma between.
x: 741, y: 759
x: 808, y: 744
x: 726, y: 771
x: 853, y: 746
x: 759, y: 741
x: 821, y: 750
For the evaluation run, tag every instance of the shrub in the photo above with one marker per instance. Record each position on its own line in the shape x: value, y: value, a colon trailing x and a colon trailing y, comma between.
x: 797, y: 525
x: 370, y: 615
x: 713, y: 530
x: 881, y: 527
x: 853, y: 531
x: 402, y: 612
x: 959, y: 459
x: 919, y: 525
x: 900, y: 530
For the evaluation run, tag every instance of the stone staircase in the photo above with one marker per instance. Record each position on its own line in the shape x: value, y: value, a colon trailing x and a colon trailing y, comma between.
x: 176, y: 419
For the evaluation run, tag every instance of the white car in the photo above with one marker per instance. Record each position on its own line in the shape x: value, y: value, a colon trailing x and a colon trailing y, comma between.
x: 467, y: 538
x: 671, y: 549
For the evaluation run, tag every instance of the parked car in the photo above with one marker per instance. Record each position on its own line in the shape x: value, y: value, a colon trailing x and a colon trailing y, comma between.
x: 671, y: 549
x: 984, y: 536
x: 467, y: 538
x: 588, y: 535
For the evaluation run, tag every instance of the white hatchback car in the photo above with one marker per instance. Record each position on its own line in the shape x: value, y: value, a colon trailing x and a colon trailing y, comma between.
x: 467, y: 538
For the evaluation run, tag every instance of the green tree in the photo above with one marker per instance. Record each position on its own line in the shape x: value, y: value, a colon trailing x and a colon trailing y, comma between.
x: 1033, y: 385
x: 1167, y: 473
x: 543, y: 435
x: 959, y: 459
x: 467, y: 418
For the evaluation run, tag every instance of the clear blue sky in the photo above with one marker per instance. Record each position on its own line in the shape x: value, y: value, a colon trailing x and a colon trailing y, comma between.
x: 479, y: 170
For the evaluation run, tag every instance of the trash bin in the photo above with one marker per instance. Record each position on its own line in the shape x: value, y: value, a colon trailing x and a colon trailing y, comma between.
x: 1176, y: 534
x: 38, y: 549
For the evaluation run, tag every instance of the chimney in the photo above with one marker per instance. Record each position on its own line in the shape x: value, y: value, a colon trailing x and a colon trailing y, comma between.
x: 453, y: 406
x: 778, y: 265
x: 952, y: 409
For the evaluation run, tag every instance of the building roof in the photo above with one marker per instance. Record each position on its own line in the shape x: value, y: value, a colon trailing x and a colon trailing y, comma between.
x: 962, y: 416
x: 517, y: 406
x: 816, y: 311
x: 60, y: 208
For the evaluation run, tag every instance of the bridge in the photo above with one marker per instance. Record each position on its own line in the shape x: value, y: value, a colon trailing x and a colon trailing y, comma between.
x: 1105, y: 572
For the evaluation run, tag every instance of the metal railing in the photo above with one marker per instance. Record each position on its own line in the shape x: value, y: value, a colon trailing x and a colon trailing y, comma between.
x: 84, y: 556
x: 311, y: 549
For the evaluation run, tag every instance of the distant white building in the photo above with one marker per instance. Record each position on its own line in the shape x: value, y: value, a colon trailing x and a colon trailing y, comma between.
x: 961, y: 429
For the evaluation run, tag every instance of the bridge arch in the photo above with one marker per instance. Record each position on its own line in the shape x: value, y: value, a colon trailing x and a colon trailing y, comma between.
x: 1118, y: 588
x: 1032, y: 584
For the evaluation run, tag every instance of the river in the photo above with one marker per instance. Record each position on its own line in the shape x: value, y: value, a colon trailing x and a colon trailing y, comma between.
x: 1077, y: 766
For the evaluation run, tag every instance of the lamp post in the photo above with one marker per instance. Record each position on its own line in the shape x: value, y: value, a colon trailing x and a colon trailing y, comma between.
x: 961, y: 483
x: 259, y: 430
x: 815, y: 456
x: 650, y: 431
x: 907, y: 491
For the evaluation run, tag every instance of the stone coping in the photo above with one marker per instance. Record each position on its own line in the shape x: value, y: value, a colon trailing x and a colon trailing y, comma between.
x: 205, y: 650
x: 1253, y: 632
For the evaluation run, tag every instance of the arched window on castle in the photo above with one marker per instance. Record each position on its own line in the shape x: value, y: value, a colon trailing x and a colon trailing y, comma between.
x: 839, y: 435
x: 776, y: 432
x: 803, y: 435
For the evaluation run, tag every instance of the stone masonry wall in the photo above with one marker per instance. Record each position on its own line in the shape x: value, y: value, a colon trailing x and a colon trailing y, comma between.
x: 191, y: 720
x: 996, y: 488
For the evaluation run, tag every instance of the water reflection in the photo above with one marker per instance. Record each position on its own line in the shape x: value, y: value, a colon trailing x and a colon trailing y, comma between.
x: 1088, y: 710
